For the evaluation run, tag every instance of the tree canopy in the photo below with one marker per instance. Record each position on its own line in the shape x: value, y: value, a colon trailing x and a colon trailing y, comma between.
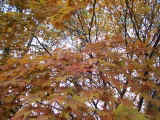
x: 79, y: 60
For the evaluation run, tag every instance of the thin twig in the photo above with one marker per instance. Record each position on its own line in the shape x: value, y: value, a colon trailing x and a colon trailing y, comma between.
x: 42, y: 45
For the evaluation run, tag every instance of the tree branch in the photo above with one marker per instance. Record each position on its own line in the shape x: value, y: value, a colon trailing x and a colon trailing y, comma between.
x: 91, y: 23
x: 42, y: 45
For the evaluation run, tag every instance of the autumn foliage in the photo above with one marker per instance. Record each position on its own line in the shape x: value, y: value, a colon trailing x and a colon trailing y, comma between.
x: 79, y: 60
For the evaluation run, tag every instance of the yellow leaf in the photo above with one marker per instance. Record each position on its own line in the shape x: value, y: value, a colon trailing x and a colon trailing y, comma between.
x: 9, y: 29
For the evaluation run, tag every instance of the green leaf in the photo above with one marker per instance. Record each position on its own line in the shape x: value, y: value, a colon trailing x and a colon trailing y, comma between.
x: 124, y: 112
x: 42, y: 1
